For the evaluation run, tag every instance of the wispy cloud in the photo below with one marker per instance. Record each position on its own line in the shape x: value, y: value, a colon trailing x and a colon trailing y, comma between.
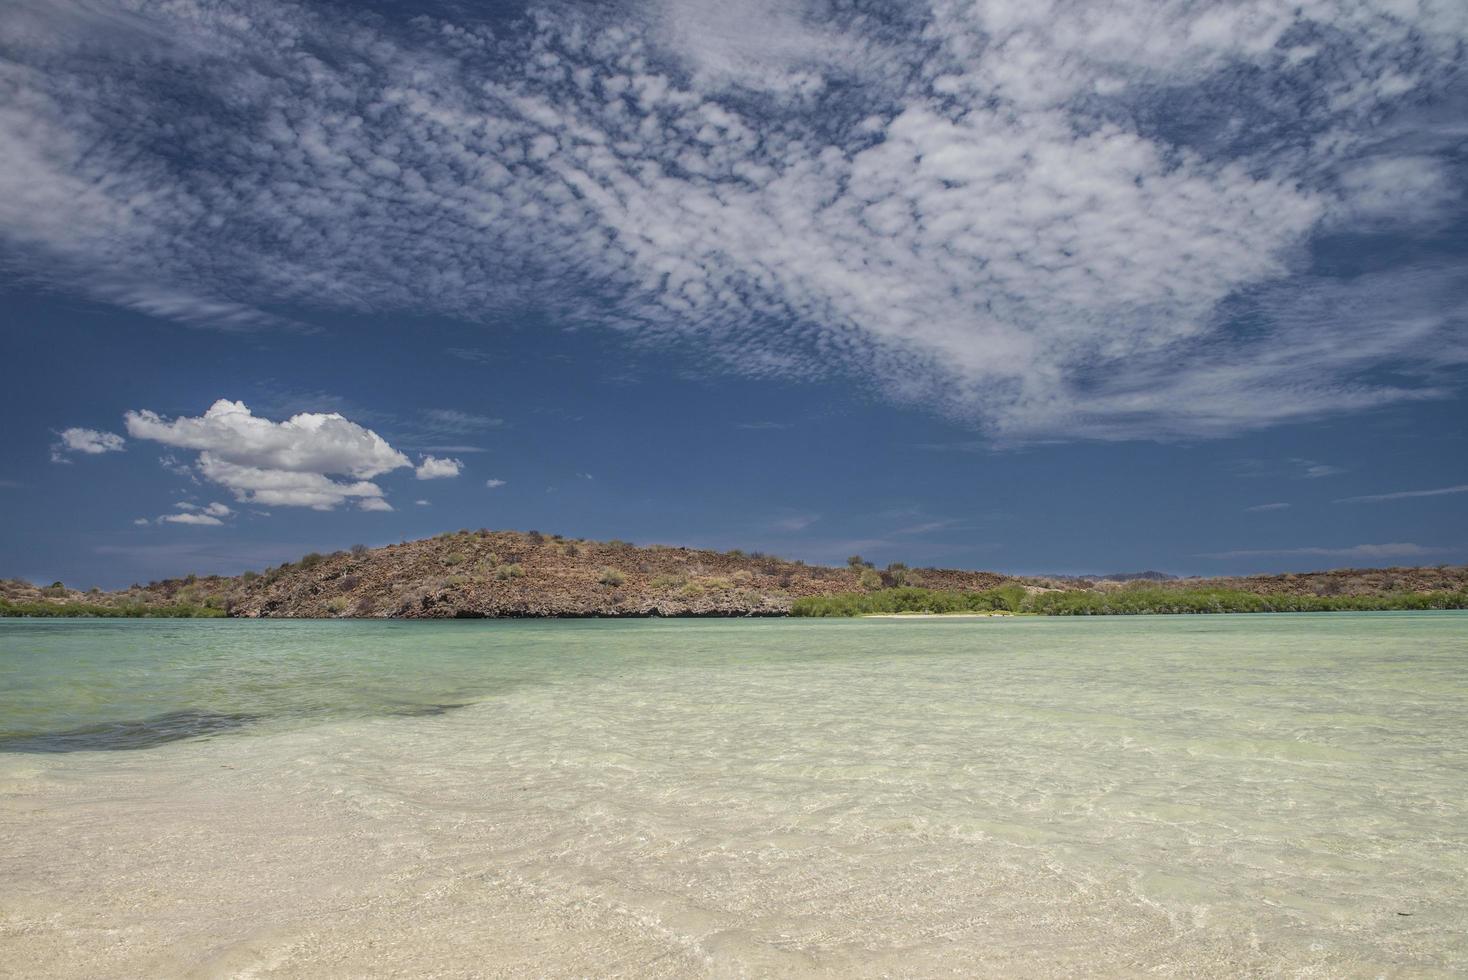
x: 1042, y: 220
x: 1262, y: 508
x: 474, y: 355
x: 762, y: 426
x: 1368, y: 551
x: 1376, y: 498
x: 494, y: 483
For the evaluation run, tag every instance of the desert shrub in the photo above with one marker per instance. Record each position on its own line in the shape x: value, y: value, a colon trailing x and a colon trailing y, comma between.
x: 743, y: 577
x: 359, y: 550
x: 856, y: 561
x: 535, y: 537
x: 455, y: 581
x: 311, y: 560
x: 54, y: 590
x: 249, y: 576
x: 735, y: 553
x: 336, y: 605
x: 870, y: 579
x: 617, y: 544
x: 506, y: 572
x: 454, y: 558
x: 693, y: 590
x: 569, y: 549
x: 668, y: 582
x: 610, y: 576
x: 718, y: 584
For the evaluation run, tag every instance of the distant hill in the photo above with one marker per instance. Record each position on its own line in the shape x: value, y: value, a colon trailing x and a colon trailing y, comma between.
x: 469, y: 574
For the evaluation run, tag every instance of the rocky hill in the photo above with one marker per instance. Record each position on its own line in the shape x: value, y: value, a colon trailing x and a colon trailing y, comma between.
x: 485, y: 573
x: 470, y: 574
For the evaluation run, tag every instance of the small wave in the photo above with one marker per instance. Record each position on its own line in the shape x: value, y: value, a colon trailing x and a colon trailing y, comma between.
x: 115, y: 736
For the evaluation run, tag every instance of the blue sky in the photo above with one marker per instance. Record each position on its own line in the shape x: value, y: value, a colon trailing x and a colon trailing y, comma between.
x: 1038, y: 288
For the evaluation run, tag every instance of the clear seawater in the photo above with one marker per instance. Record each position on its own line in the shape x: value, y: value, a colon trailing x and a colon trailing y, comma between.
x: 1197, y: 796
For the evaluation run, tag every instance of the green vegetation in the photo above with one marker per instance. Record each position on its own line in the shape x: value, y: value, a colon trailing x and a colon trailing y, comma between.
x: 1136, y: 601
x: 611, y: 576
x: 1123, y: 602
x: 870, y: 578
x: 506, y: 572
x: 89, y: 610
x: 901, y: 600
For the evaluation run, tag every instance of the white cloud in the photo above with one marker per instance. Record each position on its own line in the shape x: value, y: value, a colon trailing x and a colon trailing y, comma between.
x: 436, y: 468
x: 141, y: 520
x: 1047, y: 219
x: 203, y: 520
x: 288, y: 464
x: 374, y: 503
x: 1376, y: 498
x: 91, y: 442
x: 1262, y: 508
x: 1369, y: 551
x: 422, y: 503
x: 494, y: 484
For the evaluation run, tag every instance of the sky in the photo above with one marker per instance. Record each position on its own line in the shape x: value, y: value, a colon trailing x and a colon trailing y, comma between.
x: 1025, y: 286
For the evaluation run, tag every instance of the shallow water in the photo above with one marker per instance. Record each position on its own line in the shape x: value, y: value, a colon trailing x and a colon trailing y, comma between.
x: 1206, y: 795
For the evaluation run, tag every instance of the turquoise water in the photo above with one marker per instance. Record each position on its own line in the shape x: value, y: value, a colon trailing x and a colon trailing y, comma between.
x: 1207, y: 795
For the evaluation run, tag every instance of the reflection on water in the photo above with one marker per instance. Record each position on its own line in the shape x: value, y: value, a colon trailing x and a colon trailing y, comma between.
x: 1219, y: 796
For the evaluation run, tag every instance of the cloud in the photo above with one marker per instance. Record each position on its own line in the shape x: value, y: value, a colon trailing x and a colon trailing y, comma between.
x: 1314, y: 471
x: 474, y: 355
x: 453, y: 420
x: 422, y: 503
x: 1262, y: 508
x: 761, y: 426
x: 1068, y: 220
x: 288, y: 464
x: 1376, y: 498
x: 91, y: 442
x: 202, y: 520
x: 494, y: 484
x: 1370, y: 551
x: 436, y: 468
x: 374, y: 504
x: 794, y: 523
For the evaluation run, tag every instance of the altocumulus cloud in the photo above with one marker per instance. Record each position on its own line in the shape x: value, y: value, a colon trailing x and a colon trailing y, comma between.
x: 1043, y: 218
x: 287, y: 464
